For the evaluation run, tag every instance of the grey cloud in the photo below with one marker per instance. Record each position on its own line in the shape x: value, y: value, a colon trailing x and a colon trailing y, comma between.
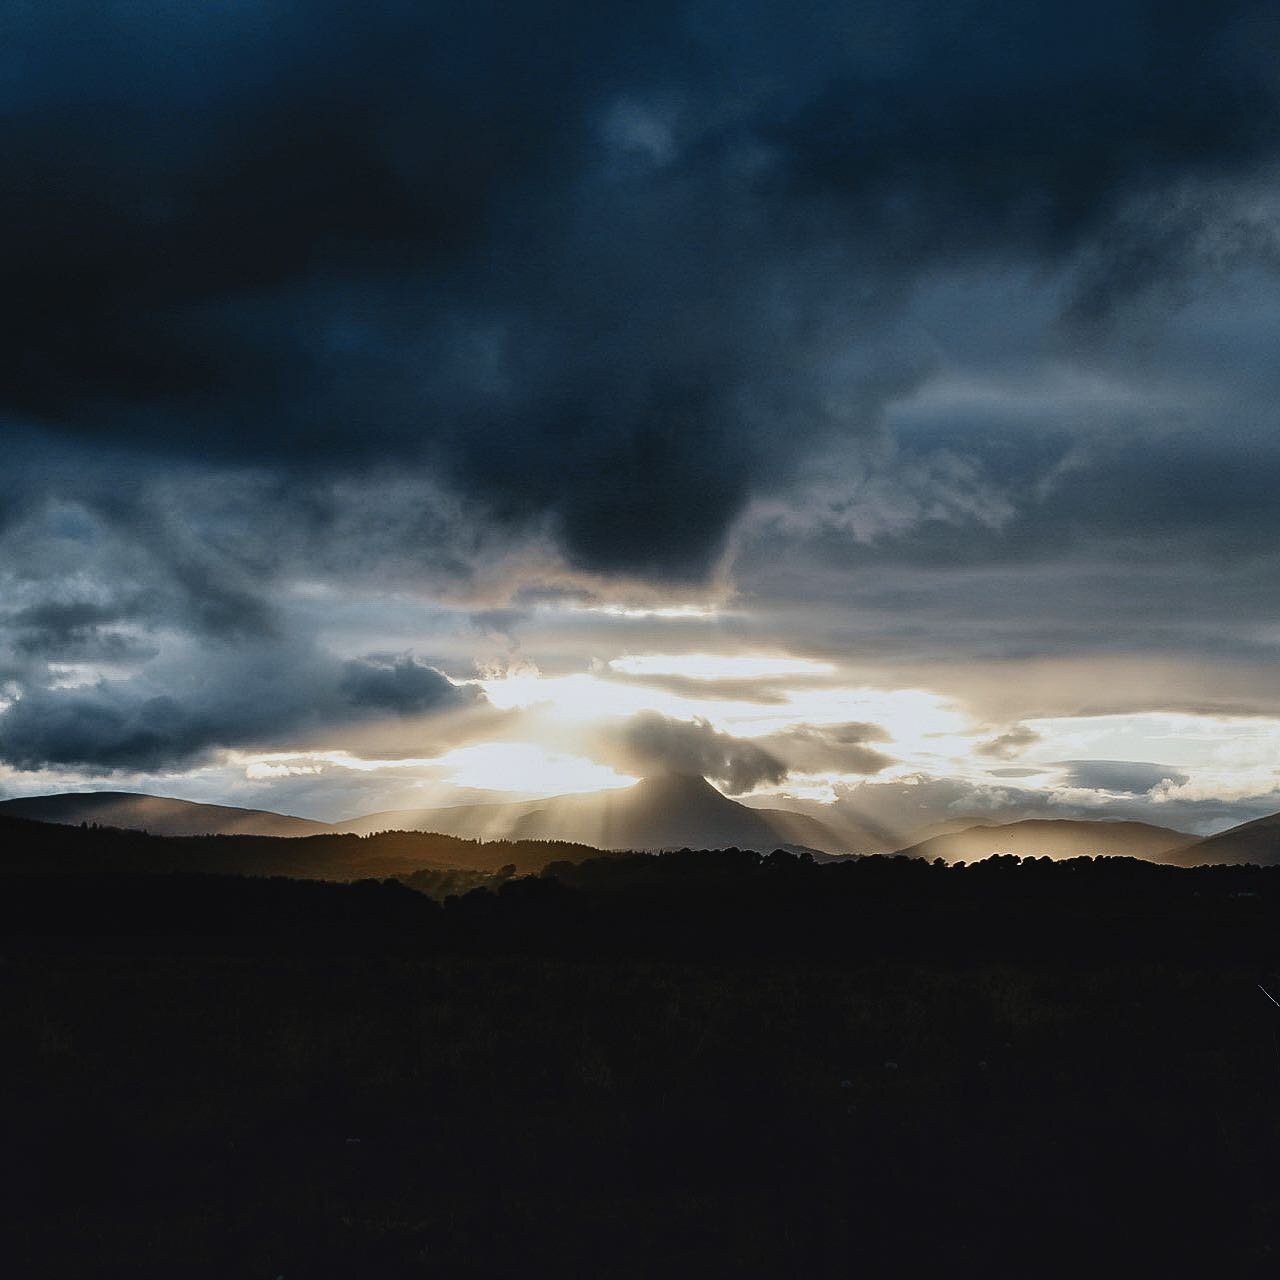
x: 761, y: 692
x: 613, y: 284
x: 402, y: 684
x: 650, y: 743
x: 77, y: 631
x: 523, y: 303
x: 1007, y: 745
x: 178, y: 710
x: 1134, y: 777
x: 840, y: 748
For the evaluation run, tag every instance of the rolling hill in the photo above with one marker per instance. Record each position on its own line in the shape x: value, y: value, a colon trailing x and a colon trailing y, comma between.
x: 664, y: 812
x: 28, y: 847
x: 1055, y: 838
x: 157, y: 815
x: 1256, y: 842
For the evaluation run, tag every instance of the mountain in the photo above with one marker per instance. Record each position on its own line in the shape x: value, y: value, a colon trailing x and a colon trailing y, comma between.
x: 1055, y: 838
x: 852, y: 833
x: 947, y: 826
x: 663, y: 812
x: 669, y: 811
x: 1256, y: 842
x: 157, y: 815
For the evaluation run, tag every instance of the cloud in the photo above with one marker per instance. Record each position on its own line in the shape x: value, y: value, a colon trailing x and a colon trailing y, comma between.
x: 652, y: 743
x: 1008, y: 745
x: 839, y: 748
x: 614, y: 284
x: 765, y: 692
x: 327, y: 319
x: 1132, y: 777
x: 181, y: 709
x: 79, y: 631
x: 402, y: 684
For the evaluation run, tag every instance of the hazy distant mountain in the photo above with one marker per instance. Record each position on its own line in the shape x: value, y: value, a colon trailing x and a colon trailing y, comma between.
x: 853, y: 834
x: 946, y: 827
x: 670, y: 811
x: 159, y: 815
x: 1257, y: 842
x: 1055, y: 838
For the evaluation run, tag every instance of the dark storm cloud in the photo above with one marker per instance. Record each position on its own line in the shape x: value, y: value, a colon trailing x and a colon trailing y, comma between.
x: 177, y: 710
x: 402, y: 684
x: 615, y: 269
x: 652, y: 743
x: 78, y: 631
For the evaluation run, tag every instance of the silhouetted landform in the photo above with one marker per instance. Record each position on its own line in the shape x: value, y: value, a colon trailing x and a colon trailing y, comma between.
x: 944, y: 827
x: 1255, y: 842
x: 35, y: 847
x: 551, y: 899
x: 670, y: 811
x: 667, y: 812
x: 691, y: 1063
x: 853, y: 832
x: 157, y: 815
x: 1056, y: 838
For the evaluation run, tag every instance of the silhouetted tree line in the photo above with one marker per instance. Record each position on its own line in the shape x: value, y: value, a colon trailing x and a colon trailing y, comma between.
x: 681, y: 904
x: 689, y: 1063
x: 39, y: 846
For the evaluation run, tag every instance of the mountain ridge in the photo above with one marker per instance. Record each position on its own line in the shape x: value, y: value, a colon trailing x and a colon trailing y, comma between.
x: 1256, y: 841
x: 660, y: 812
x: 1054, y: 838
x: 664, y: 811
x: 158, y: 815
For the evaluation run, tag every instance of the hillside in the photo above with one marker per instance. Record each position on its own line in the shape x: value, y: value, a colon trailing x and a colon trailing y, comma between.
x: 28, y: 847
x: 669, y: 811
x: 157, y: 815
x: 1256, y: 842
x: 1053, y: 838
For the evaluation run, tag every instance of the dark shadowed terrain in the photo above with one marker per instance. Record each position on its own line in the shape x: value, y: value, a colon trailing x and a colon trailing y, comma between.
x: 686, y: 1064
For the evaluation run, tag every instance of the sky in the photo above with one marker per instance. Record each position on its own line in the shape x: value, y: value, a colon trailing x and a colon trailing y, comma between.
x: 870, y: 406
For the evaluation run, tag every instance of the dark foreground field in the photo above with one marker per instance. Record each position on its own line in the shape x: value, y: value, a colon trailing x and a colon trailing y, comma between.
x: 265, y: 1105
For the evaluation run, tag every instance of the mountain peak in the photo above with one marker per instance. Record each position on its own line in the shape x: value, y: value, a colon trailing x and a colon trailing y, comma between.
x: 660, y: 788
x: 675, y: 778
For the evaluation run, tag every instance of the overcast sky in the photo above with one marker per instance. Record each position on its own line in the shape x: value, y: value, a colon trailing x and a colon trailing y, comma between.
x: 869, y: 403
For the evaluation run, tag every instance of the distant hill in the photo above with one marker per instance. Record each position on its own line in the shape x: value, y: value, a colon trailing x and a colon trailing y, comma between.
x: 670, y: 811
x: 27, y: 847
x: 851, y: 833
x: 1054, y: 838
x: 947, y: 826
x: 666, y: 812
x: 1256, y: 842
x: 157, y: 815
